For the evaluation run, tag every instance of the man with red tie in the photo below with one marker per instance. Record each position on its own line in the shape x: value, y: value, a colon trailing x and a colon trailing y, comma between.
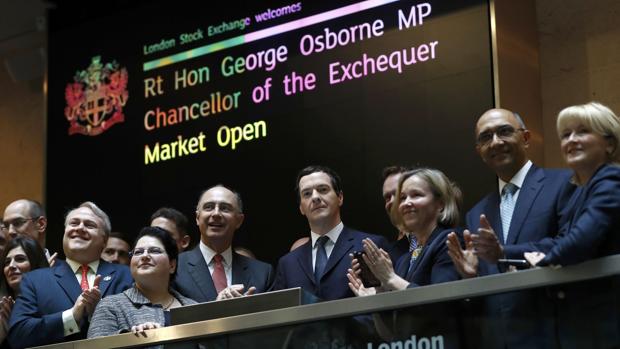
x: 212, y: 270
x: 56, y: 303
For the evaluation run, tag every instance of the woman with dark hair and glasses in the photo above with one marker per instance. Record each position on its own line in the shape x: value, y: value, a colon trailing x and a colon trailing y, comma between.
x: 21, y: 255
x: 146, y: 305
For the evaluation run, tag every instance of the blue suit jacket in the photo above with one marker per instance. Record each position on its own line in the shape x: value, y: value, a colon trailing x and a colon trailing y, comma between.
x: 541, y: 209
x: 194, y: 280
x: 295, y: 268
x: 593, y: 231
x: 594, y: 228
x: 36, y: 318
x: 433, y: 265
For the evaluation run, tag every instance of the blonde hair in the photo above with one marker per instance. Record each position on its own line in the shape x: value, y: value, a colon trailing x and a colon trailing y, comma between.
x: 598, y: 118
x: 443, y: 189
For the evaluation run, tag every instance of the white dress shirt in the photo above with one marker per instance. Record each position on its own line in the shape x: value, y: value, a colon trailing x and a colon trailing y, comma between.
x: 517, y: 180
x: 329, y: 245
x: 208, y: 254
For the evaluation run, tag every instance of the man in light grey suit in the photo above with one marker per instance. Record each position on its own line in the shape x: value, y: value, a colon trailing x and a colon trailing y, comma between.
x: 212, y: 270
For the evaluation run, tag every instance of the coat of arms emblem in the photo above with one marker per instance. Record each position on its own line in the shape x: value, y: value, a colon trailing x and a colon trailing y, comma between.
x: 96, y: 97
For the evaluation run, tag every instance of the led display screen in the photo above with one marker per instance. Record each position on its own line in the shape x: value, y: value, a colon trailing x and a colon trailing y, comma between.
x: 151, y: 104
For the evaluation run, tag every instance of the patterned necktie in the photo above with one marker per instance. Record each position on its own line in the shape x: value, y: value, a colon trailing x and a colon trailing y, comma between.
x: 413, y: 243
x: 414, y: 249
x: 321, y: 258
x: 219, y: 276
x: 506, y: 207
x: 84, y: 282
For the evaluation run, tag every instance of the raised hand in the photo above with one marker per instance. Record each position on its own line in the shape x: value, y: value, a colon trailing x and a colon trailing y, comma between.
x: 465, y: 261
x: 52, y: 259
x: 356, y: 285
x: 6, y: 306
x: 92, y: 296
x: 485, y: 242
x: 380, y: 265
x: 86, y: 303
x: 378, y: 261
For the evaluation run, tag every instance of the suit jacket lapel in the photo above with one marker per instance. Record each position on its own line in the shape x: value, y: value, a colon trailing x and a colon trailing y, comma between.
x: 239, y: 271
x: 530, y: 189
x: 107, y: 272
x: 491, y: 211
x: 66, y: 280
x: 305, y: 260
x: 199, y: 271
x: 402, y: 265
x: 343, y: 245
x: 423, y: 255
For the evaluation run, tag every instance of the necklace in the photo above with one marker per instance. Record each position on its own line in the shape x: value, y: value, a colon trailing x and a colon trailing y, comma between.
x: 166, y: 307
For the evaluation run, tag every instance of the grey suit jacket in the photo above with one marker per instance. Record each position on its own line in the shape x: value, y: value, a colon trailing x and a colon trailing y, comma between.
x: 118, y: 313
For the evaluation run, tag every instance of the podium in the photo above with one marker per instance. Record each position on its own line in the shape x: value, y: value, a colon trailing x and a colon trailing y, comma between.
x: 236, y: 306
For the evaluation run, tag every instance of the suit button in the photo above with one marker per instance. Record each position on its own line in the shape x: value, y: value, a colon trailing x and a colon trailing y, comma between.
x: 561, y: 295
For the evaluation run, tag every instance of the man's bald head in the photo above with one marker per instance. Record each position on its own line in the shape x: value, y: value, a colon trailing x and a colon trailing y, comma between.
x: 26, y: 217
x: 501, y: 141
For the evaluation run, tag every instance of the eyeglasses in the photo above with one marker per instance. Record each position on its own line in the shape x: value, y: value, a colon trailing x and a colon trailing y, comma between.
x: 503, y: 132
x: 152, y: 251
x: 17, y: 222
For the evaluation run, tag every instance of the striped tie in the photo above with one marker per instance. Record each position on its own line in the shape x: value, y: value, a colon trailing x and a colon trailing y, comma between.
x: 506, y: 207
x: 414, y: 249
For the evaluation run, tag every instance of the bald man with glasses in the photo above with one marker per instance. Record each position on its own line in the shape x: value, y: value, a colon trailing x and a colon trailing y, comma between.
x: 528, y: 204
x: 27, y: 217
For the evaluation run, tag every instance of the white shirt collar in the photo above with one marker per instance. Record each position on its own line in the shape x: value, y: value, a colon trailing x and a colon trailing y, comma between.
x: 332, y: 234
x: 75, y: 266
x: 208, y: 254
x: 517, y: 179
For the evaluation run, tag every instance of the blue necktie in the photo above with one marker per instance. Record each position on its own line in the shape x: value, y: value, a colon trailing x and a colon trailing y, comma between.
x: 506, y: 207
x: 321, y: 258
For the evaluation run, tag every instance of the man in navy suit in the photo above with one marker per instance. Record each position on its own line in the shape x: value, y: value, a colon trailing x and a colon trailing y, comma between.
x: 55, y: 303
x: 540, y: 195
x: 320, y: 268
x: 212, y: 270
x: 538, y: 209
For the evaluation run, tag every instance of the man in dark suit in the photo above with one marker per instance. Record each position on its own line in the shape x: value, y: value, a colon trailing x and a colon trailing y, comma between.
x: 56, y: 303
x: 212, y: 270
x: 320, y: 266
x: 528, y: 205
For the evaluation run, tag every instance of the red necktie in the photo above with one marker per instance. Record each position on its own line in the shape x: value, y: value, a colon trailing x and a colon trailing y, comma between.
x: 84, y: 283
x: 219, y: 276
